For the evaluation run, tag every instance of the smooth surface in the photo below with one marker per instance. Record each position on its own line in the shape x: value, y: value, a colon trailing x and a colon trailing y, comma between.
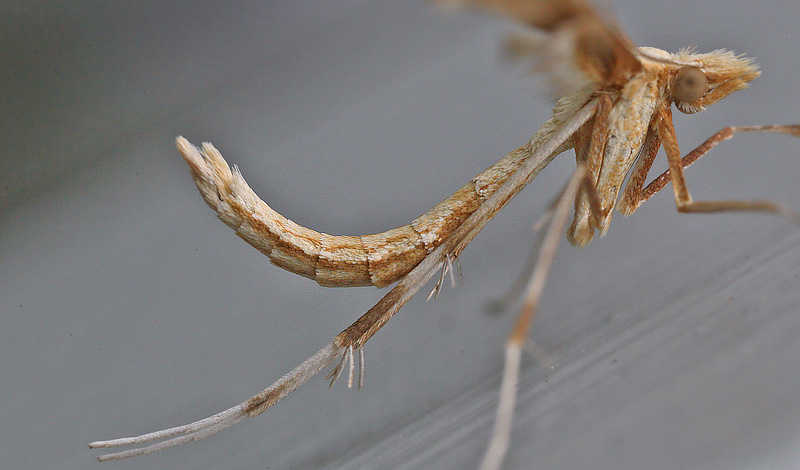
x: 126, y: 307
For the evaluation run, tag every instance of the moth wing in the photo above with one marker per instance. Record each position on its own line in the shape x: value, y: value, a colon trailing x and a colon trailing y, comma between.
x: 573, y: 42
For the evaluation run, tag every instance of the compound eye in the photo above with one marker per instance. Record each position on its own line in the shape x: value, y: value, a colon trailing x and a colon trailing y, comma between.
x: 690, y: 84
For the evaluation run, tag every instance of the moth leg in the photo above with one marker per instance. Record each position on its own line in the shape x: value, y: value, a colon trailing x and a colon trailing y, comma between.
x: 632, y: 194
x: 515, y: 343
x: 683, y: 199
x: 203, y: 428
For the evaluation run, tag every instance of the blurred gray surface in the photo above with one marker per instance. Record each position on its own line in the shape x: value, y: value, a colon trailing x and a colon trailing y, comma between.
x: 126, y: 307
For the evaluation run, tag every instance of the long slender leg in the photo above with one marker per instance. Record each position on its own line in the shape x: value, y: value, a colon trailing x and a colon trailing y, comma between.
x: 498, y: 445
x: 658, y: 183
x: 683, y: 198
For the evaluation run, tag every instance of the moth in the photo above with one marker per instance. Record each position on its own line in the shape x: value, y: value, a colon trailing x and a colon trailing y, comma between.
x: 616, y: 113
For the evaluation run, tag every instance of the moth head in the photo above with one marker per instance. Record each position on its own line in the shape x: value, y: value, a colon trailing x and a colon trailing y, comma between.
x: 698, y: 80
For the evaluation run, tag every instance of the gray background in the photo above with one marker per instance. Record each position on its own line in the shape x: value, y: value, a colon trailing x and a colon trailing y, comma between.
x: 126, y: 307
